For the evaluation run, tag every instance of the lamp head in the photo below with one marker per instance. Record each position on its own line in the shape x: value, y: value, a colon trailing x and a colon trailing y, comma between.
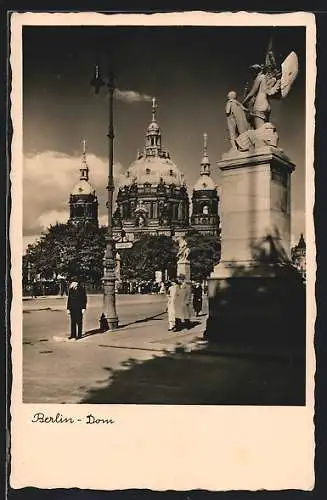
x: 97, y: 81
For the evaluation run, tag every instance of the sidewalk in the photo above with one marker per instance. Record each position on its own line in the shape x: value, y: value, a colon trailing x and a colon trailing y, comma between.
x: 148, y: 331
x: 151, y: 336
x: 58, y: 302
x: 143, y: 324
x: 143, y: 363
x: 49, y: 297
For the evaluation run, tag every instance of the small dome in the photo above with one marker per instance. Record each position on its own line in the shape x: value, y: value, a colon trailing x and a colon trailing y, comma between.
x: 152, y: 170
x: 153, y: 127
x: 83, y: 187
x: 204, y: 183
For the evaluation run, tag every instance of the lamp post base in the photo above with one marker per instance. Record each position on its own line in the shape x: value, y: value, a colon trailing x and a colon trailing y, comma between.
x: 112, y: 324
x: 107, y: 324
x: 109, y: 317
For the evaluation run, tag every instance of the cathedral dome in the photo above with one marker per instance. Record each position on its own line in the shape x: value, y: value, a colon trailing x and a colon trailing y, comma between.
x: 83, y: 187
x: 83, y: 202
x: 153, y: 170
x: 204, y: 183
x: 153, y: 127
x: 153, y: 166
x: 152, y: 195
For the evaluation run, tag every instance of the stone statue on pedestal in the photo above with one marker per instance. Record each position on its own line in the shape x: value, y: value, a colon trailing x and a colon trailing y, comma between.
x: 248, y: 122
x: 236, y: 119
x: 254, y: 295
x: 183, y: 250
x: 183, y: 261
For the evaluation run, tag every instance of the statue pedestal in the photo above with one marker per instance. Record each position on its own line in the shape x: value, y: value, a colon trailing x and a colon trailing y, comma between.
x: 184, y: 267
x: 254, y: 293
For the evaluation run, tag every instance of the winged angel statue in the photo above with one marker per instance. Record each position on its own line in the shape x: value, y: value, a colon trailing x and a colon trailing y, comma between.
x: 248, y: 121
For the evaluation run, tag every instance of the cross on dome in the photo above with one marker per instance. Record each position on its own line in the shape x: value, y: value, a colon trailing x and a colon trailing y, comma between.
x: 205, y: 164
x: 205, y: 140
x: 84, y: 167
x: 154, y: 108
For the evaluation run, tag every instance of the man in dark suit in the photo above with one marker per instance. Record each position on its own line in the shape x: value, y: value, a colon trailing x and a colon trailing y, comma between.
x: 76, y: 306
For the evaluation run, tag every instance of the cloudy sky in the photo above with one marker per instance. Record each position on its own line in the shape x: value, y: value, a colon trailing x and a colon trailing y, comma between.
x: 188, y: 69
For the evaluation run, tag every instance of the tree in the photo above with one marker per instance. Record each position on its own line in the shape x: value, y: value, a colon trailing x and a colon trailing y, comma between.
x: 204, y: 254
x: 68, y: 249
x: 148, y: 254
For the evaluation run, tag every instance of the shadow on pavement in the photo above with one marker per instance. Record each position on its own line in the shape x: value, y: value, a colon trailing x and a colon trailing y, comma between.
x: 199, y: 377
x: 144, y: 320
x: 96, y: 331
x: 156, y: 317
x: 89, y: 333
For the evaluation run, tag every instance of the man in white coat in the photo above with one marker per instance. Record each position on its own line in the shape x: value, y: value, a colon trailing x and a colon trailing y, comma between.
x: 184, y: 301
x: 172, y: 294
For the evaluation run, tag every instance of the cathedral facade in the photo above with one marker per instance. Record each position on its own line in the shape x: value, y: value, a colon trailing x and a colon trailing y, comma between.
x: 153, y: 197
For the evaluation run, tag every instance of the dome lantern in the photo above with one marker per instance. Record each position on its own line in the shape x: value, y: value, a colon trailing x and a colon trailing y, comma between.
x: 83, y: 201
x: 205, y: 198
x: 153, y: 134
x: 205, y: 182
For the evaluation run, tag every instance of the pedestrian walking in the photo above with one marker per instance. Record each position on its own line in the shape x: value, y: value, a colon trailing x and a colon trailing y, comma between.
x: 34, y: 290
x: 183, y: 303
x: 76, y: 306
x: 197, y: 299
x: 172, y: 292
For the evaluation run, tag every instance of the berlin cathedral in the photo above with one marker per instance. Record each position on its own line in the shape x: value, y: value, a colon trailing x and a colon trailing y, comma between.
x: 153, y: 198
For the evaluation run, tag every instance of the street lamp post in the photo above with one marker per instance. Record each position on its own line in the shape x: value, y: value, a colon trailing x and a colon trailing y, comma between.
x: 29, y: 281
x: 109, y: 273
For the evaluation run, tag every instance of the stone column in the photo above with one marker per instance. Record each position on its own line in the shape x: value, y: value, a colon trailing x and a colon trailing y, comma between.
x: 255, y: 209
x: 251, y: 290
x: 184, y: 267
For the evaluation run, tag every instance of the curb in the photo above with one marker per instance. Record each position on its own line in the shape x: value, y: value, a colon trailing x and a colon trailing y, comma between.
x: 45, y: 297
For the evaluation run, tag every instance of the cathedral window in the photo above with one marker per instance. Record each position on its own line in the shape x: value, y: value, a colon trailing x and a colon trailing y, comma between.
x: 147, y: 171
x: 79, y: 211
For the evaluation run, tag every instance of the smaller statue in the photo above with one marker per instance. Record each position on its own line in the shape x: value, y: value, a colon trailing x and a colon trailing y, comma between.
x: 236, y: 118
x: 140, y: 221
x: 183, y: 250
x: 161, y: 186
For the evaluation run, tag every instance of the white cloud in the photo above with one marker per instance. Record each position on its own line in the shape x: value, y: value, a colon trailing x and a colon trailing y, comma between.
x: 131, y: 96
x: 48, y: 179
x: 52, y: 217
